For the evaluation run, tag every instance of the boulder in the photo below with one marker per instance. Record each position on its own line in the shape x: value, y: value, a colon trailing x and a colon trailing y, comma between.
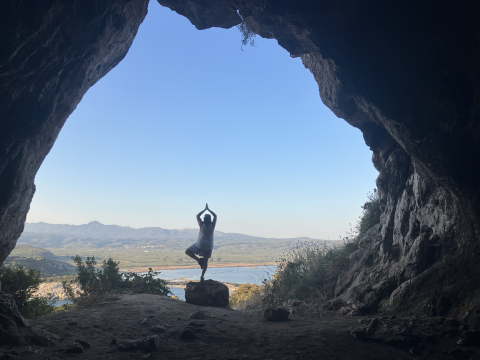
x: 152, y: 343
x: 199, y: 315
x: 276, y: 314
x: 145, y: 322
x: 14, y: 329
x: 158, y: 328
x: 391, y: 332
x: 187, y: 334
x: 130, y: 345
x: 85, y: 344
x: 207, y: 293
x: 75, y: 348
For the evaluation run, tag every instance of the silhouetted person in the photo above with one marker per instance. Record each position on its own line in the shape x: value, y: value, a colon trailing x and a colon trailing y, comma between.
x: 204, y: 244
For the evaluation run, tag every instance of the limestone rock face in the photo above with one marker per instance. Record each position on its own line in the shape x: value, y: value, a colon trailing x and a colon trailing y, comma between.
x: 52, y: 52
x: 407, y: 76
x: 207, y: 293
x: 14, y: 329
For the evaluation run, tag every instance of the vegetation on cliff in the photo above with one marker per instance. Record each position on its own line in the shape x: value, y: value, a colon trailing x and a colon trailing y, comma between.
x: 248, y: 36
x: 22, y: 283
x: 309, y: 271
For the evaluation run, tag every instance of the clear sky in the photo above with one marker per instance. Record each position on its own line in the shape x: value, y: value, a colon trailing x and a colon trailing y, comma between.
x: 188, y: 118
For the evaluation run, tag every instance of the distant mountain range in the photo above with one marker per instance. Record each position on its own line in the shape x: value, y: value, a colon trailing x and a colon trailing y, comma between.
x: 98, y: 235
x: 97, y: 230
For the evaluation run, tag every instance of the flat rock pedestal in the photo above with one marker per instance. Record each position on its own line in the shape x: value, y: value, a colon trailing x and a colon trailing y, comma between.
x: 207, y: 293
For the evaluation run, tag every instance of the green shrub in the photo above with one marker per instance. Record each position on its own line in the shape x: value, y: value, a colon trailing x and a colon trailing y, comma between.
x: 106, y: 283
x: 145, y: 283
x: 95, y: 285
x: 370, y: 213
x: 22, y: 283
x: 309, y: 271
x: 246, y: 297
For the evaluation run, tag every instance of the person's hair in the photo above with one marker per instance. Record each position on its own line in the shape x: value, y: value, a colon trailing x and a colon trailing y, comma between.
x: 207, y: 218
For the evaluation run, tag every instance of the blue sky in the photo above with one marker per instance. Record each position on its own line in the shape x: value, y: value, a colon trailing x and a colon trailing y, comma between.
x: 188, y: 118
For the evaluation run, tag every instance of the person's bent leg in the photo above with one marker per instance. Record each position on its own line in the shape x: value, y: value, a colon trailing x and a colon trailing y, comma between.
x: 205, y: 266
x: 192, y: 254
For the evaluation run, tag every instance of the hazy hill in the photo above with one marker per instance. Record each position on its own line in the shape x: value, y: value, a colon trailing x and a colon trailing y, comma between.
x: 27, y: 251
x: 47, y: 267
x: 97, y: 235
x: 39, y: 259
x: 96, y: 230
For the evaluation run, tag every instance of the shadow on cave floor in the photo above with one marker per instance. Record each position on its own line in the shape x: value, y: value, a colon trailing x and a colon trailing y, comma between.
x: 225, y: 334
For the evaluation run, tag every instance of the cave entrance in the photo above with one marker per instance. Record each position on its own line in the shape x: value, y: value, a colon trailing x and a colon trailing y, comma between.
x: 184, y: 103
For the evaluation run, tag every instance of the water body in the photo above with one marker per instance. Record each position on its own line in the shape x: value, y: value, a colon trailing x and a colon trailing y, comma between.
x: 239, y: 275
x: 62, y: 302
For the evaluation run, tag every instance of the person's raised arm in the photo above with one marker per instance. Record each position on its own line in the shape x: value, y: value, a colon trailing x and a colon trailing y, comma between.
x: 199, y: 221
x: 214, y: 222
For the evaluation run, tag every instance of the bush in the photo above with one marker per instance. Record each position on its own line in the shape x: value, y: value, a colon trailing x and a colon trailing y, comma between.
x: 96, y: 285
x: 370, y: 213
x: 145, y: 283
x: 309, y: 271
x: 22, y: 283
x: 105, y: 284
x: 246, y: 297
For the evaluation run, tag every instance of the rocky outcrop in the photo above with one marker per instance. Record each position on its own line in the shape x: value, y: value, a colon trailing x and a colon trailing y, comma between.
x: 407, y: 76
x: 14, y: 329
x: 405, y: 73
x: 52, y: 53
x: 207, y: 293
x: 419, y: 335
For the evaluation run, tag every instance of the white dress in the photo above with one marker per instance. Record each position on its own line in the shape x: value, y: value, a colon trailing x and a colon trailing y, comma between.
x: 205, y: 237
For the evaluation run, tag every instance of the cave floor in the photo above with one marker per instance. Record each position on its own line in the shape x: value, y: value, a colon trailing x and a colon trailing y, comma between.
x: 229, y: 334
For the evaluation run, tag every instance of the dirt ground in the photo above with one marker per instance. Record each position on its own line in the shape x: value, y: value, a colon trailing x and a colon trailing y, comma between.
x: 227, y: 334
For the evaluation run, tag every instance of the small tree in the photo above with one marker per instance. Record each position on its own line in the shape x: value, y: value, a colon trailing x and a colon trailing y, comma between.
x: 106, y: 283
x: 95, y: 284
x: 145, y: 283
x: 22, y: 283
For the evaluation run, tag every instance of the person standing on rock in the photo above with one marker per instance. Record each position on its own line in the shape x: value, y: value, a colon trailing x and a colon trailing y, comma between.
x: 204, y: 244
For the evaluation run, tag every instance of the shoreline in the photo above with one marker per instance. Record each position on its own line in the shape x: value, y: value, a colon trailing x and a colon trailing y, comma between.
x: 178, y: 267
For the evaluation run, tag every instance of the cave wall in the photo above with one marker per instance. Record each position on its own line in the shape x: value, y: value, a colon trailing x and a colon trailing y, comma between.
x: 405, y: 73
x: 52, y: 52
